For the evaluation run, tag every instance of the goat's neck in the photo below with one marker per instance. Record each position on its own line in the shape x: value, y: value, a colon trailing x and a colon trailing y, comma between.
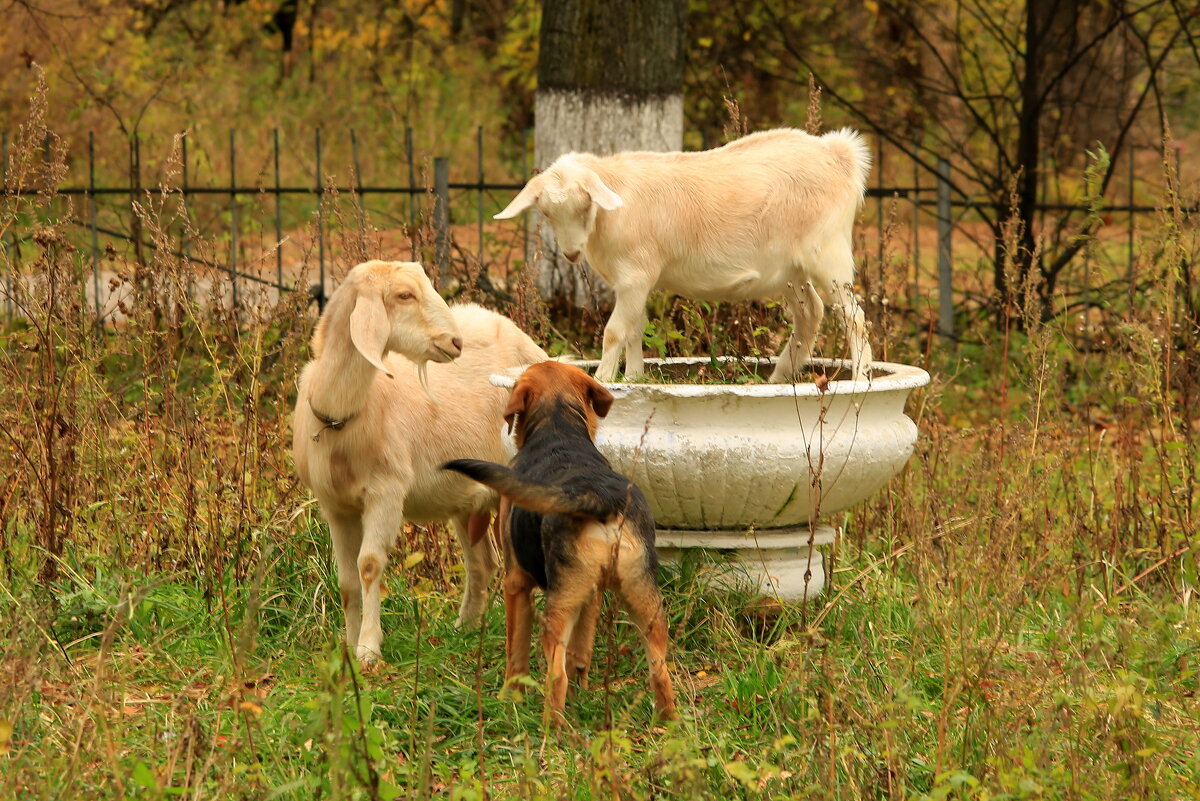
x: 340, y: 380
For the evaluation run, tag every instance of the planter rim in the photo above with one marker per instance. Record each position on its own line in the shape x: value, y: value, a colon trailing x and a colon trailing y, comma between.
x: 895, y: 377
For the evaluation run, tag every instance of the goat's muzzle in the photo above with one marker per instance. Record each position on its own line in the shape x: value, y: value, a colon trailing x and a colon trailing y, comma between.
x: 446, y: 349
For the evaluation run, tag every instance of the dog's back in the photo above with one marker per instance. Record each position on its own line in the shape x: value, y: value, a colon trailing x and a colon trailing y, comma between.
x: 569, y: 504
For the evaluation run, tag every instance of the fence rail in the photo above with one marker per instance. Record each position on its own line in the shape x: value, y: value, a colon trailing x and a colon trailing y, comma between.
x: 932, y: 201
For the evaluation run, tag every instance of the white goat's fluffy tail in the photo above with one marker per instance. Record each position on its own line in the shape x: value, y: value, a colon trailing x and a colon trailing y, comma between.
x: 850, y: 147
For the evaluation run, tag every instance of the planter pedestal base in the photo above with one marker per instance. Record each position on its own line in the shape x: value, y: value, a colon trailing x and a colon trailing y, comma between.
x: 770, y: 562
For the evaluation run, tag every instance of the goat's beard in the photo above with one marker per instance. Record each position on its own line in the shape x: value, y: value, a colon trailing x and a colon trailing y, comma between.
x: 423, y: 377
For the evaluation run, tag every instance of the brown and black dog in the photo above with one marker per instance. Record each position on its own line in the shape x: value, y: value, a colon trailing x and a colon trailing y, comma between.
x: 574, y: 527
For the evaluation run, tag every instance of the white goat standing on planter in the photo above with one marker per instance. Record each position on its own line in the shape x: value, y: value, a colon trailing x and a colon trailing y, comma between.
x: 767, y: 215
x: 369, y: 437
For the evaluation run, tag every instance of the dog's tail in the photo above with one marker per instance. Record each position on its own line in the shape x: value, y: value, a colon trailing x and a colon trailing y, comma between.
x: 545, y: 499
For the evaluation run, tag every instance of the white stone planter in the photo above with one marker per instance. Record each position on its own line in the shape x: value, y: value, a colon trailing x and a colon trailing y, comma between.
x: 752, y: 470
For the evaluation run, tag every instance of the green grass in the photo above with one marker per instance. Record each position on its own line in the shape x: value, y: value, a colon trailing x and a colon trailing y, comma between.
x: 924, y: 678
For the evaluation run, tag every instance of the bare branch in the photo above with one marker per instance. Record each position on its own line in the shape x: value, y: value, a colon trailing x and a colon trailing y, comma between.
x: 1151, y: 85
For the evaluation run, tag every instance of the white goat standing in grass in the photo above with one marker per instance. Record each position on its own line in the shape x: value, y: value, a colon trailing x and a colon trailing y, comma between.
x: 764, y: 216
x: 369, y: 441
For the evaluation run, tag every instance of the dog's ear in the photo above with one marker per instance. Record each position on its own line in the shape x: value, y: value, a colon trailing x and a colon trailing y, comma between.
x: 517, y: 403
x: 601, y: 398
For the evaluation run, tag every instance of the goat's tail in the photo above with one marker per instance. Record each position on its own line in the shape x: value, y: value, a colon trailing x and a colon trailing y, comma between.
x: 851, y: 149
x: 545, y: 499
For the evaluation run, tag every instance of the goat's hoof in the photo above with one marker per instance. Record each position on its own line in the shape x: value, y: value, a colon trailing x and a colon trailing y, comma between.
x: 369, y: 659
x: 371, y: 667
x: 467, y: 620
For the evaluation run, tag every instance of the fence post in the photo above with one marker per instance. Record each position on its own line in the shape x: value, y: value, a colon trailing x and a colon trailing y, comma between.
x: 360, y: 221
x: 8, y: 278
x: 413, y: 238
x: 278, y: 221
x: 945, y: 230
x: 358, y: 182
x: 441, y: 214
x: 233, y: 219
x: 525, y: 176
x: 320, y: 294
x: 916, y: 223
x: 479, y: 199
x: 135, y: 189
x: 186, y: 243
x: 1130, y: 270
x: 92, y: 222
x: 879, y: 205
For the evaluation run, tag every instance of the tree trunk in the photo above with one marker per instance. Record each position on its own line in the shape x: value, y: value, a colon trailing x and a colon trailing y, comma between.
x: 610, y: 78
x: 1050, y: 41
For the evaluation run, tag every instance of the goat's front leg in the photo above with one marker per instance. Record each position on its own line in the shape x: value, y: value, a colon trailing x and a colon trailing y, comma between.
x: 481, y: 563
x: 623, y: 333
x: 381, y: 520
x: 807, y: 310
x: 346, y: 533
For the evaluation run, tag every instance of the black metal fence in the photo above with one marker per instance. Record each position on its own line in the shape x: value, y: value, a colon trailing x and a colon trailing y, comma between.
x: 437, y: 203
x: 436, y: 191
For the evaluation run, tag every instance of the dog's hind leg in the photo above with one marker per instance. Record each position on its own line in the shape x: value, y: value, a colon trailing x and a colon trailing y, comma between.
x: 518, y: 620
x: 644, y: 603
x: 583, y: 640
x: 518, y: 601
x: 565, y: 603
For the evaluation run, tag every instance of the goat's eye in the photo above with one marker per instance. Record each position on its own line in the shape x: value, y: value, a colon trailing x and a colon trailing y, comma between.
x: 405, y: 296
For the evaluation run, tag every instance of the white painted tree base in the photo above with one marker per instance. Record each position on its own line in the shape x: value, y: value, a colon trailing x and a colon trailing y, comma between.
x: 600, y: 123
x: 772, y: 563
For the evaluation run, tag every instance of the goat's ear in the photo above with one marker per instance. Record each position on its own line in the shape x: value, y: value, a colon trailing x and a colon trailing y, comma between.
x: 604, y: 197
x: 369, y: 328
x: 517, y: 403
x: 601, y: 398
x: 524, y: 199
